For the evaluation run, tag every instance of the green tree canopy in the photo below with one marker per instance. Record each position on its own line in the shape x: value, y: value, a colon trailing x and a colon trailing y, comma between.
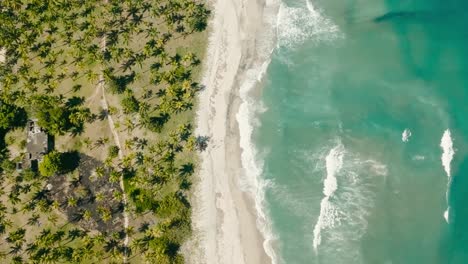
x: 51, y: 164
x: 171, y: 205
x: 59, y: 117
x: 113, y: 152
x: 130, y: 104
x: 11, y: 115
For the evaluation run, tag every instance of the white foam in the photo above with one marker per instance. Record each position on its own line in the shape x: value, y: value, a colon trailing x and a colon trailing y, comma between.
x: 327, y: 219
x: 343, y: 216
x: 334, y: 163
x: 252, y: 182
x: 298, y: 24
x: 446, y: 144
x: 406, y: 135
x: 310, y: 7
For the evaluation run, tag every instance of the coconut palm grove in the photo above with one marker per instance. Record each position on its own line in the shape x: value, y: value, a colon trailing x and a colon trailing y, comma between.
x: 97, y: 148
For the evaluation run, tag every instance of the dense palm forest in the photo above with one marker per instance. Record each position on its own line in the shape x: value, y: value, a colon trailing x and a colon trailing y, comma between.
x: 113, y: 83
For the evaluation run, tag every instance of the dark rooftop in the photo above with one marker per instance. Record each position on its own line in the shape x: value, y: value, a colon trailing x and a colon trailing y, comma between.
x: 38, y: 144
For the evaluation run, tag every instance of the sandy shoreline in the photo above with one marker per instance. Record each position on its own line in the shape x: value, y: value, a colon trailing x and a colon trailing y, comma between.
x: 225, y: 218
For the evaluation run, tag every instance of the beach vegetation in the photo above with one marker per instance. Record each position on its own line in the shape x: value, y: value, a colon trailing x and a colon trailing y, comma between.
x: 51, y: 164
x: 113, y: 152
x: 113, y: 84
x: 11, y: 115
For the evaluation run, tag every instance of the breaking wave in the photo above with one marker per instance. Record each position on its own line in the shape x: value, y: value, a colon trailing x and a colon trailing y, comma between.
x: 405, y: 136
x: 334, y: 162
x: 349, y: 188
x: 446, y: 143
x: 253, y: 182
x: 295, y: 25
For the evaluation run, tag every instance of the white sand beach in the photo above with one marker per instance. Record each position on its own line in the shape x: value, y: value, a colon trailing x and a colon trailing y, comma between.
x: 225, y: 218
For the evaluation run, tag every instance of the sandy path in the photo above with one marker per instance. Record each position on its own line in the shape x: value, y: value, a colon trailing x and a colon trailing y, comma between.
x: 2, y: 55
x: 115, y: 135
x: 116, y: 138
x: 224, y: 216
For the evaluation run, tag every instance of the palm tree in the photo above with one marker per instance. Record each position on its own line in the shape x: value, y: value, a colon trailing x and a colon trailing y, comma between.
x: 114, y: 176
x: 76, y: 88
x: 17, y: 260
x: 101, y: 141
x: 129, y: 125
x: 100, y: 197
x: 34, y: 220
x: 113, y: 246
x: 141, y: 143
x: 72, y: 201
x: 79, y: 117
x: 15, y: 248
x: 113, y: 110
x: 129, y: 143
x: 75, y: 233
x: 118, y: 196
x: 4, y: 224
x: 87, y: 142
x: 17, y: 236
x: 82, y: 24
x: 100, y: 171
x: 56, y: 204
x: 87, y: 215
x: 105, y: 213
x: 91, y: 76
x: 52, y: 219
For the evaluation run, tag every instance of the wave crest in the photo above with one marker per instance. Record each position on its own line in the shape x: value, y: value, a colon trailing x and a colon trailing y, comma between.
x: 350, y: 189
x: 446, y: 143
x: 406, y: 135
x: 334, y: 163
x: 295, y: 25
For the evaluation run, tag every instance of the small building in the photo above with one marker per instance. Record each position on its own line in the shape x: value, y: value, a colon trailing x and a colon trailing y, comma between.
x: 38, y: 144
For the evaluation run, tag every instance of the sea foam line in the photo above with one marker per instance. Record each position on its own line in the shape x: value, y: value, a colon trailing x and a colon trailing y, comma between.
x: 334, y: 163
x: 446, y: 143
x: 252, y: 181
x: 286, y: 23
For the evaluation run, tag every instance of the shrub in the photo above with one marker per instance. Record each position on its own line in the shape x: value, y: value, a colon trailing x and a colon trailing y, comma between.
x: 130, y: 104
x: 113, y: 152
x: 8, y: 166
x: 51, y: 164
x: 56, y: 162
x: 171, y: 205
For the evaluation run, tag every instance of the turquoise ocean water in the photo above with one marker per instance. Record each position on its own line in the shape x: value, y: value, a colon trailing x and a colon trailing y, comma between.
x: 363, y: 133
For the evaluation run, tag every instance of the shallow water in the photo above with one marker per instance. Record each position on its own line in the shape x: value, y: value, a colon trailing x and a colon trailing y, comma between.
x: 358, y: 95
